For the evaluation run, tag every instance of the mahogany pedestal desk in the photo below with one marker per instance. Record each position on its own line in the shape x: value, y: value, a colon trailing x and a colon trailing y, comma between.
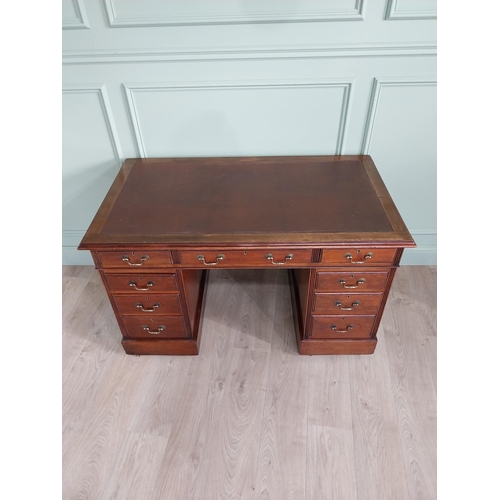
x: 328, y: 219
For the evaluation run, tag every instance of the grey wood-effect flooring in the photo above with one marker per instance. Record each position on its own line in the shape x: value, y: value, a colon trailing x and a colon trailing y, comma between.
x: 249, y: 418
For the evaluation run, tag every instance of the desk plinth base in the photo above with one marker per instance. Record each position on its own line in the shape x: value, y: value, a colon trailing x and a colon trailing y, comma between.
x: 168, y: 347
x: 306, y: 347
x: 329, y: 347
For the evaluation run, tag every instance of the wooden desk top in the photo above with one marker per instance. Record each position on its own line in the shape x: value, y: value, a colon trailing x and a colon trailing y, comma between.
x: 302, y: 200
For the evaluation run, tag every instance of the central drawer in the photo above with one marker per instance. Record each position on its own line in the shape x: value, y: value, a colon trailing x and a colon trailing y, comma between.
x: 281, y: 257
x: 154, y: 304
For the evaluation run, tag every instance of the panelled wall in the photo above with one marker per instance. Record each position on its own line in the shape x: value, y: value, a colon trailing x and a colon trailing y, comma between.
x: 156, y: 78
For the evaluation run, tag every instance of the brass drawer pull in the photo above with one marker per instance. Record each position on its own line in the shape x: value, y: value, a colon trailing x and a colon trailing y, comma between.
x: 152, y: 332
x: 348, y: 256
x: 127, y: 260
x: 349, y: 327
x: 141, y: 307
x: 219, y: 257
x: 148, y: 285
x: 359, y: 282
x: 288, y: 257
x: 353, y: 305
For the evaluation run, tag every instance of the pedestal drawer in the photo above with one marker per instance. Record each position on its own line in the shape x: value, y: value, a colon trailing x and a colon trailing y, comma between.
x: 128, y: 259
x: 334, y: 281
x: 359, y: 256
x: 132, y: 283
x: 348, y: 304
x: 341, y: 327
x: 154, y: 304
x: 155, y: 327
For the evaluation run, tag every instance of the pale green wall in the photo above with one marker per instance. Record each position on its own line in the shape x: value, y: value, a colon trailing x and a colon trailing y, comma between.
x: 253, y: 77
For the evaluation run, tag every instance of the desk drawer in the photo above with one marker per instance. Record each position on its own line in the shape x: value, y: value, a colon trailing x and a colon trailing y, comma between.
x: 155, y: 327
x: 348, y: 304
x: 342, y: 327
x: 334, y: 281
x: 281, y: 257
x: 359, y: 256
x: 133, y: 283
x: 151, y: 304
x: 134, y: 259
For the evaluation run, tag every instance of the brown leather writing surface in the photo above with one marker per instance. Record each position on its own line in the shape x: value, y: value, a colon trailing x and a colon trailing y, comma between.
x: 228, y: 196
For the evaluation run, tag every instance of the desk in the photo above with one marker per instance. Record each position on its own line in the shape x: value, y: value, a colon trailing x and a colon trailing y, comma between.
x: 166, y: 222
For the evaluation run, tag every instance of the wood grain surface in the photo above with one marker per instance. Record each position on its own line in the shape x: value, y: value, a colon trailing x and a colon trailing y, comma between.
x: 249, y: 418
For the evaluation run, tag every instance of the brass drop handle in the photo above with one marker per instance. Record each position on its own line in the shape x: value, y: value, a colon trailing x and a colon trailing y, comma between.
x: 149, y: 284
x: 126, y: 259
x: 219, y: 257
x: 152, y: 332
x: 349, y: 327
x: 353, y: 305
x: 288, y: 257
x: 359, y: 282
x: 143, y: 309
x: 348, y: 256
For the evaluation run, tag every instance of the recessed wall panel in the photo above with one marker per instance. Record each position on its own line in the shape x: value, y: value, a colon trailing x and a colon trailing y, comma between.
x: 240, y: 120
x: 411, y: 9
x: 90, y: 155
x: 154, y: 13
x: 401, y: 137
x: 74, y: 15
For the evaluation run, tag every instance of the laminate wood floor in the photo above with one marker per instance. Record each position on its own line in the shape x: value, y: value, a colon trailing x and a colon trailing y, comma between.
x: 249, y: 418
